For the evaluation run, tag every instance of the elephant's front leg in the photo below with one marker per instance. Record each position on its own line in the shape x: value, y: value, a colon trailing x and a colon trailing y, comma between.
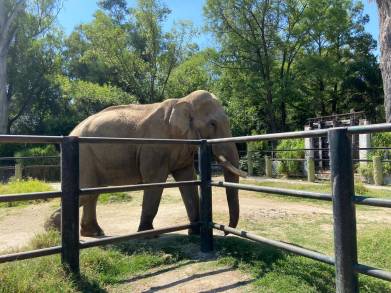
x: 189, y: 195
x: 89, y: 224
x: 151, y: 202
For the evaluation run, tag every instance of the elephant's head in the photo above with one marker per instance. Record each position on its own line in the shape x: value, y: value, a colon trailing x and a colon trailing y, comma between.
x: 200, y: 115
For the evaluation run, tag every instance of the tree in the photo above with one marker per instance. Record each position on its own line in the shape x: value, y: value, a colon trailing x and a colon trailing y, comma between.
x: 291, y: 60
x: 9, y: 13
x: 129, y: 49
x: 34, y: 17
x: 384, y: 7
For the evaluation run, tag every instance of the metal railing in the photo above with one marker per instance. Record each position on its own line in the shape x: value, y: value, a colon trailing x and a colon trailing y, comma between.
x: 343, y: 200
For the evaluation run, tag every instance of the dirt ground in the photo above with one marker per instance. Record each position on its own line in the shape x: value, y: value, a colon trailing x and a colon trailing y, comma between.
x: 20, y: 224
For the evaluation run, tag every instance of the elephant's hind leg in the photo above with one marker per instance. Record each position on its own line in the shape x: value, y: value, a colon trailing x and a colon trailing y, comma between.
x: 54, y: 221
x: 89, y: 223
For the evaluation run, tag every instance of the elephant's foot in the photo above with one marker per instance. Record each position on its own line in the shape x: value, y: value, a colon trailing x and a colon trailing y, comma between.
x: 91, y: 230
x: 54, y: 221
x: 145, y: 227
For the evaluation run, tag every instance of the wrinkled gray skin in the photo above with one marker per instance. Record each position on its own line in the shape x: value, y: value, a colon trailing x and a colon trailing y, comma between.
x: 198, y: 115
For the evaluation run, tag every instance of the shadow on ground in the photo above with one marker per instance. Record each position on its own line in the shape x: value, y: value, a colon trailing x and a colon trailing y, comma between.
x: 266, y: 268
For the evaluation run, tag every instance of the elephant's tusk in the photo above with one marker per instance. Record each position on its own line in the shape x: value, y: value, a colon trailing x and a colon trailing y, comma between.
x: 227, y: 164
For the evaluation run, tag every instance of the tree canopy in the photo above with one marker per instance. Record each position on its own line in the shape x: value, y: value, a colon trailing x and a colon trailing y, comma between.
x: 273, y: 63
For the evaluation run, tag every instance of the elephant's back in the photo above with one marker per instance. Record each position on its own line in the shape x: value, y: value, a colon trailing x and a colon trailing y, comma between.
x: 116, y: 121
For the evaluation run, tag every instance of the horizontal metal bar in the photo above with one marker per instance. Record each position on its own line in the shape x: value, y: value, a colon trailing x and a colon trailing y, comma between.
x: 361, y: 268
x: 94, y: 190
x: 271, y: 136
x: 30, y: 254
x: 282, y: 245
x: 29, y: 196
x: 381, y: 127
x: 371, y: 201
x: 298, y: 160
x: 110, y: 240
x: 28, y: 158
x: 358, y: 199
x: 40, y: 166
x: 373, y: 148
x: 373, y: 272
x: 273, y: 190
x: 137, y: 140
x: 30, y: 139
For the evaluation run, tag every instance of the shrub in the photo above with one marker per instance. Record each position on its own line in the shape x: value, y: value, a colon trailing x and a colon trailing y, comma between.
x: 290, y: 168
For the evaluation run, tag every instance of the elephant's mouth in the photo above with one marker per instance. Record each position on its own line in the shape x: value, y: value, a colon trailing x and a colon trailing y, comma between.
x: 228, y: 166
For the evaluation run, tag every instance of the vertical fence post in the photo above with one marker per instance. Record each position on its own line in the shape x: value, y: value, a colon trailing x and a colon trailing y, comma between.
x: 268, y: 167
x: 310, y: 169
x: 345, y: 240
x: 70, y: 204
x: 377, y: 170
x: 204, y: 161
x: 250, y: 161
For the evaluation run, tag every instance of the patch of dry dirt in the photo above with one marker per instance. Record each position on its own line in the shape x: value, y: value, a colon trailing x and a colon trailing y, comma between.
x: 189, y: 277
x: 20, y: 224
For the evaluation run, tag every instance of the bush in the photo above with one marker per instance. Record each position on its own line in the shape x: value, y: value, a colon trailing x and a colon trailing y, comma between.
x: 290, y: 168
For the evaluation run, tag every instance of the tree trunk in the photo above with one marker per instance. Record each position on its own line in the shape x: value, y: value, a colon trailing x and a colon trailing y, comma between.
x: 384, y: 7
x: 3, y: 94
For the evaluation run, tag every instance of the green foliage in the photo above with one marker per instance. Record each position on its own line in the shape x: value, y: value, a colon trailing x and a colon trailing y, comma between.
x: 192, y: 74
x: 46, y: 150
x: 290, y: 168
x: 128, y: 48
x: 22, y: 186
x: 87, y: 98
x: 382, y: 139
x: 302, y: 60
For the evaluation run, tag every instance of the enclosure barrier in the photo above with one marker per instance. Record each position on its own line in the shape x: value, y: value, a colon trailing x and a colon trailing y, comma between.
x: 342, y: 197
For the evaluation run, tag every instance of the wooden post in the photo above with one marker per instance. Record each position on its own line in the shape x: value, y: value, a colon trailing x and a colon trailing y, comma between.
x: 206, y: 231
x: 310, y: 169
x: 377, y: 170
x: 268, y: 167
x: 345, y: 239
x: 70, y: 204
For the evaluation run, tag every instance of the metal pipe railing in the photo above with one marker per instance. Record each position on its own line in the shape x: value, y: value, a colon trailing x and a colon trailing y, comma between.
x: 340, y: 149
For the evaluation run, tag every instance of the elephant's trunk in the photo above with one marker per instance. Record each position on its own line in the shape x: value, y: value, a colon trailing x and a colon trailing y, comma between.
x: 227, y: 155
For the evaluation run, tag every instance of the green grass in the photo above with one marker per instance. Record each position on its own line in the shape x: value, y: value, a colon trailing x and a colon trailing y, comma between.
x: 108, y: 198
x: 360, y: 189
x: 23, y: 186
x: 323, y: 187
x: 104, y: 268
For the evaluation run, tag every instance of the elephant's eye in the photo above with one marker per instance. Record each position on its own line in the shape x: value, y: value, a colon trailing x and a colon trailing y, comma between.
x: 213, y: 124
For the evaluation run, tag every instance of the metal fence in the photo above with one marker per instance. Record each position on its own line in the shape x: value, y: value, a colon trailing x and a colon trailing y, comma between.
x: 342, y: 197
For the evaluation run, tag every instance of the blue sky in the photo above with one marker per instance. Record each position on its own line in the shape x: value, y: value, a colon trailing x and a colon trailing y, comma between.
x: 75, y: 12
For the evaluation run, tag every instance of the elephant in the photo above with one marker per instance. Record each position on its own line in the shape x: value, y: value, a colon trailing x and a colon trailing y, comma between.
x: 198, y: 115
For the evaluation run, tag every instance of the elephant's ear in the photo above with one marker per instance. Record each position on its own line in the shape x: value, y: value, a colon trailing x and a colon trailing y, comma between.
x: 180, y: 118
